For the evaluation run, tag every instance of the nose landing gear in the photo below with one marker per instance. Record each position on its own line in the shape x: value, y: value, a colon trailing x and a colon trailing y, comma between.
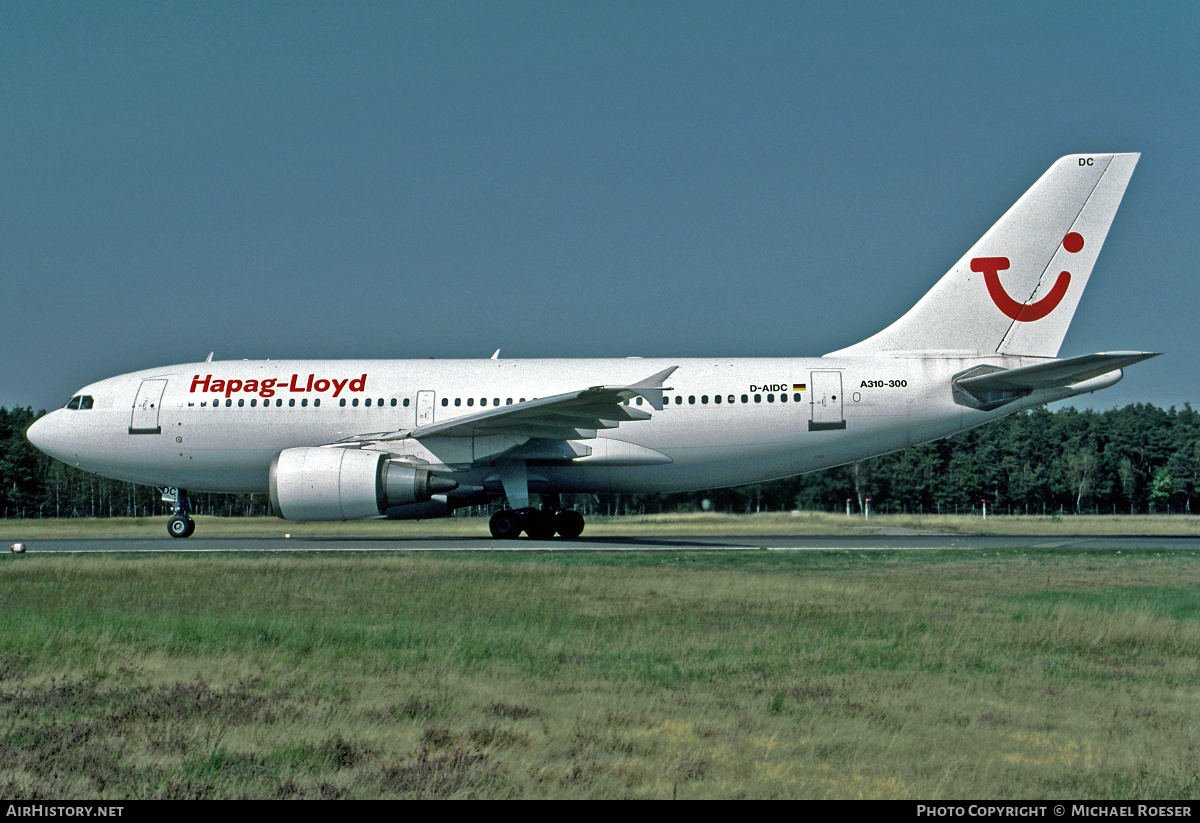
x: 180, y: 524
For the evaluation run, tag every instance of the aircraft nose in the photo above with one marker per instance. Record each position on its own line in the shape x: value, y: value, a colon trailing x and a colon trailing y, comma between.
x: 37, y: 432
x: 42, y: 434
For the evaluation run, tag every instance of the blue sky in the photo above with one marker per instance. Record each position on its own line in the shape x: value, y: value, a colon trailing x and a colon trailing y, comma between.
x: 565, y: 179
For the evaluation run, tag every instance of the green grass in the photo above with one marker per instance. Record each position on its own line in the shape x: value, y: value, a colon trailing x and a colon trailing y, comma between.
x: 778, y: 524
x: 944, y: 674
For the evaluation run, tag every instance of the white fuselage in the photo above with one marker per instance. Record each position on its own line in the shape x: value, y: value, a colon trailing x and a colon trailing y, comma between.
x: 217, y: 426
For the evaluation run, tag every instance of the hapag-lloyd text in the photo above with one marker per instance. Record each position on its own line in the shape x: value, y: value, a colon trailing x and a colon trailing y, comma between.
x: 267, y: 387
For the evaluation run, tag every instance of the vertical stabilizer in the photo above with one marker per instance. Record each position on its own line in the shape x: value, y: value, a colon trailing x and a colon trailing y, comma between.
x: 1015, y: 291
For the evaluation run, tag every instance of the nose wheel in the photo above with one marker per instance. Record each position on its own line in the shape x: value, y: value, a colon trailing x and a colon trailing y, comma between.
x: 180, y: 524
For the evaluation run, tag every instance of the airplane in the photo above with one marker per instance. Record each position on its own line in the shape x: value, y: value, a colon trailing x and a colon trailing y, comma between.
x: 412, y: 439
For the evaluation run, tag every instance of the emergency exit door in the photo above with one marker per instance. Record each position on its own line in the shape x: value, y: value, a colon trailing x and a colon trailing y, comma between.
x: 424, y: 408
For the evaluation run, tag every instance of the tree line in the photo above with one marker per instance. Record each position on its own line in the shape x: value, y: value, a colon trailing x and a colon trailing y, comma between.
x: 1136, y: 459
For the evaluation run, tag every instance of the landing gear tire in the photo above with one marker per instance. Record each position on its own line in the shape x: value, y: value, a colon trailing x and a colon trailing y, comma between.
x: 568, y: 523
x: 540, y: 524
x: 181, y: 526
x: 505, y: 525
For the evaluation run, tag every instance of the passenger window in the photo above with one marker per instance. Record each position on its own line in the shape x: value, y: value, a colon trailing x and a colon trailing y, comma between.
x: 704, y: 399
x: 368, y: 403
x: 783, y: 398
x: 770, y: 398
x: 692, y: 399
x: 758, y: 398
x: 291, y: 401
x: 342, y: 402
x: 745, y: 398
x: 470, y: 401
x: 354, y: 402
x: 406, y: 402
x: 495, y: 401
x: 639, y: 400
x: 445, y: 402
x: 796, y: 397
x: 508, y: 402
x: 253, y: 402
x: 241, y: 402
x: 678, y: 399
x: 458, y: 401
x: 304, y: 402
x: 716, y: 398
x: 279, y: 402
x: 393, y: 402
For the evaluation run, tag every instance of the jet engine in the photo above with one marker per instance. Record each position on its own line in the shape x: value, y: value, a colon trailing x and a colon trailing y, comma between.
x: 346, y: 484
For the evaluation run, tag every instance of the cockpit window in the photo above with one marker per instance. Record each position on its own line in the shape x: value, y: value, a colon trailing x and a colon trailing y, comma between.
x: 80, y: 401
x: 73, y: 403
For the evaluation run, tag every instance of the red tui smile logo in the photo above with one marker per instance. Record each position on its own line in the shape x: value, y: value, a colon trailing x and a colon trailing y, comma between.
x: 1025, y: 312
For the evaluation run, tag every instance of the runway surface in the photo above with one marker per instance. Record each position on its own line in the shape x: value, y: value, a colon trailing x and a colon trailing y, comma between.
x: 658, y: 543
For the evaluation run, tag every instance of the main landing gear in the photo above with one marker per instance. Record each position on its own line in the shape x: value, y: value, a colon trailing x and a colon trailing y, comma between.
x: 180, y: 524
x: 539, y: 524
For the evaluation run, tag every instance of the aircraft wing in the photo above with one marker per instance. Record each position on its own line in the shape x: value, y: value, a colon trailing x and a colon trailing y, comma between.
x: 1054, y: 373
x: 575, y: 415
x: 569, y: 416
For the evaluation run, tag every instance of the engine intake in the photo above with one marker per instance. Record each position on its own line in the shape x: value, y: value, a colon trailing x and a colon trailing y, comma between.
x: 346, y: 484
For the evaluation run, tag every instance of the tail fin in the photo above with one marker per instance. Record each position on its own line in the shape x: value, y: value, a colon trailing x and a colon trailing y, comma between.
x: 1016, y: 290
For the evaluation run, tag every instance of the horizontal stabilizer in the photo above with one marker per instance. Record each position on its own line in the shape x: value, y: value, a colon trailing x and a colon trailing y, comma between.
x: 1055, y: 373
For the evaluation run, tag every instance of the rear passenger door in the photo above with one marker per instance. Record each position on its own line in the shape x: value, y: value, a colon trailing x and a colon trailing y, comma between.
x: 826, y: 400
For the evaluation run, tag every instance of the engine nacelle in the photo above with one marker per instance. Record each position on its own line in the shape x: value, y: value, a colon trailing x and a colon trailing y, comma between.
x: 346, y: 484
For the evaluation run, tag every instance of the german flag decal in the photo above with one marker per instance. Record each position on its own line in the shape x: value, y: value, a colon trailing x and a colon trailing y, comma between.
x: 799, y: 386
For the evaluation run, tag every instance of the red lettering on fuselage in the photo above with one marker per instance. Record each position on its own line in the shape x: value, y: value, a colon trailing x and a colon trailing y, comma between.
x: 267, y: 387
